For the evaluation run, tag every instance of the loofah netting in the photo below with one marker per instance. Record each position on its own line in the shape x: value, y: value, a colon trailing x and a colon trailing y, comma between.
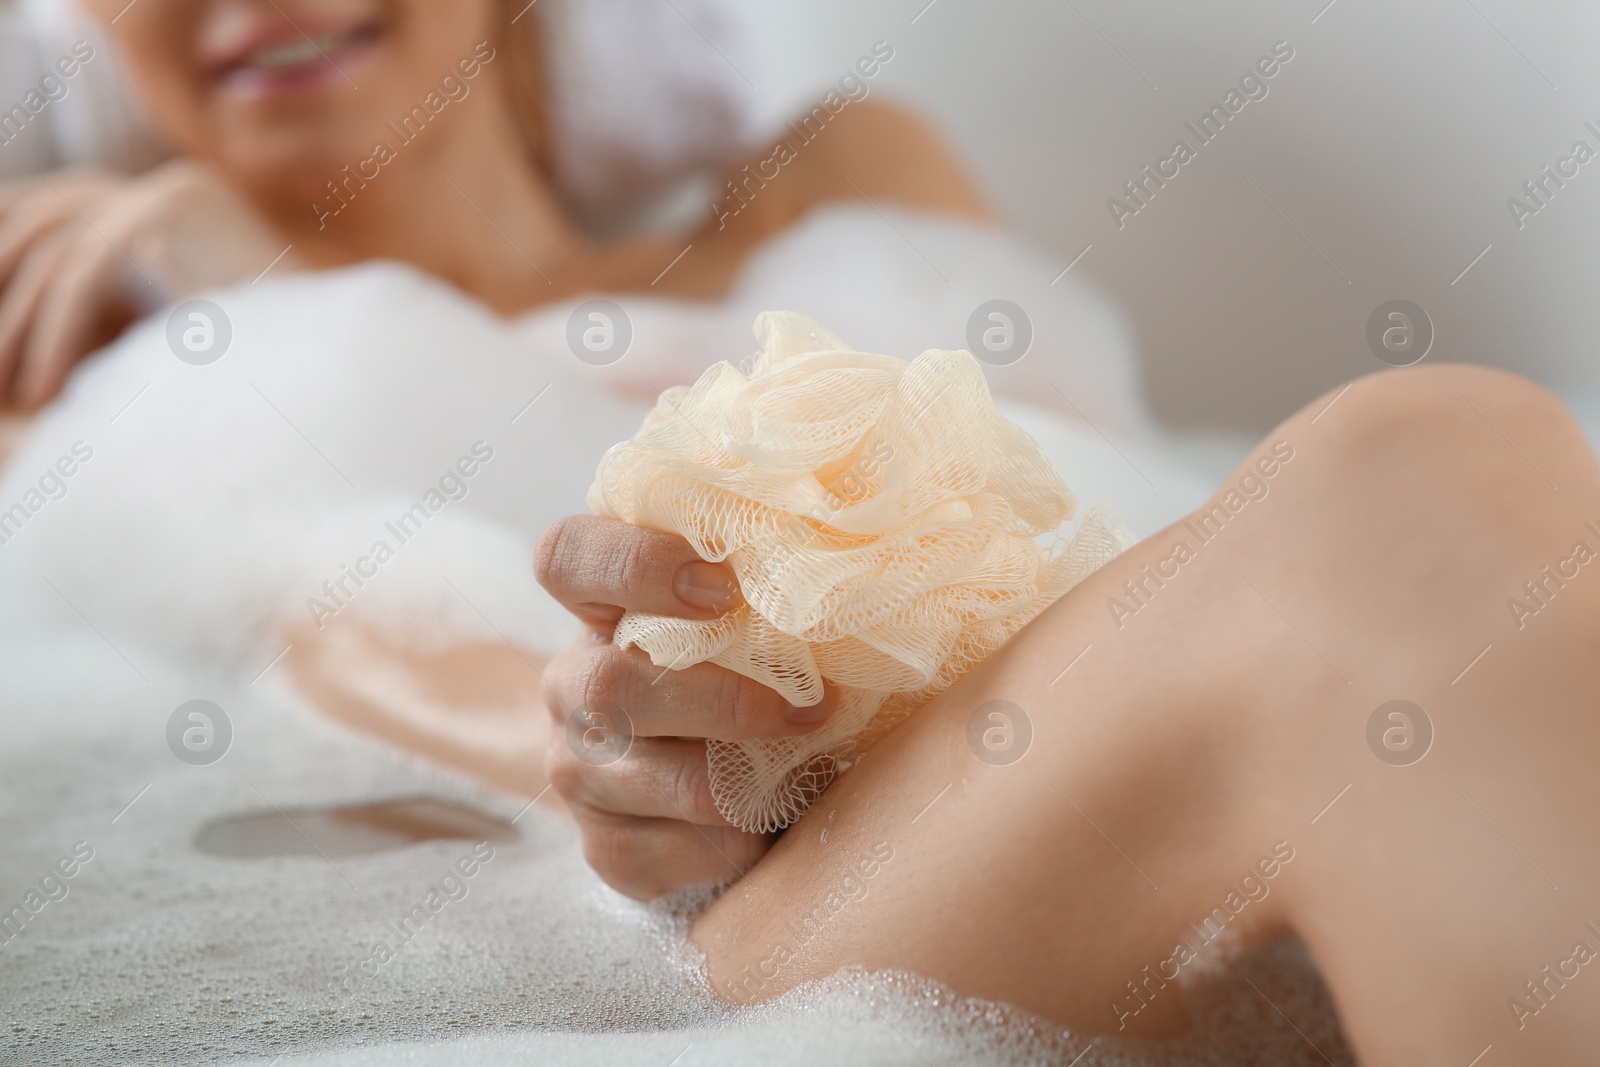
x: 881, y: 517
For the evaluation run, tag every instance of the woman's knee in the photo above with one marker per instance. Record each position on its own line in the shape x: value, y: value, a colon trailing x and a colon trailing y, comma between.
x: 1409, y: 489
x: 1425, y: 412
x: 1450, y: 433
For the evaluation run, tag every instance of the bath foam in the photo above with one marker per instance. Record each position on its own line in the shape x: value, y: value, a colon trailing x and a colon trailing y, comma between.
x: 884, y: 522
x: 166, y: 953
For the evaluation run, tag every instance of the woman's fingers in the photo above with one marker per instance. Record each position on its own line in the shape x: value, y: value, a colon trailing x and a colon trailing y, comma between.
x: 702, y: 700
x: 658, y: 778
x: 69, y: 182
x: 599, y: 568
x: 23, y: 228
x: 20, y: 300
x: 46, y: 239
x: 641, y: 788
x: 70, y: 317
x: 30, y: 210
x: 643, y: 801
x: 647, y: 858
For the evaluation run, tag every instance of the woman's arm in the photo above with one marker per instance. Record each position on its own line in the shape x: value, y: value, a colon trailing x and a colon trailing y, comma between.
x: 868, y: 154
x: 1195, y: 712
x: 82, y: 255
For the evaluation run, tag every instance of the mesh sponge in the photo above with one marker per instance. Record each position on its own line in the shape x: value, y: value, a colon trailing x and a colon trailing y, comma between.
x: 883, y: 520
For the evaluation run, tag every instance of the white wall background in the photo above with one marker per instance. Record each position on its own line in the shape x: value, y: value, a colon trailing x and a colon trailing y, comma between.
x: 1392, y: 141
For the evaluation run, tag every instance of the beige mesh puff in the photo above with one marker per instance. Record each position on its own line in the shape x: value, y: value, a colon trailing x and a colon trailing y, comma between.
x: 883, y: 519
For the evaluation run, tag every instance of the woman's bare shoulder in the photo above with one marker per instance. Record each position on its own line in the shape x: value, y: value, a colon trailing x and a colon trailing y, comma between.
x: 864, y: 152
x: 881, y: 151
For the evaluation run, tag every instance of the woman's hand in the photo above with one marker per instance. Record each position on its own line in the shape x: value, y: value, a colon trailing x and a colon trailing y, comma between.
x: 648, y: 821
x: 82, y: 254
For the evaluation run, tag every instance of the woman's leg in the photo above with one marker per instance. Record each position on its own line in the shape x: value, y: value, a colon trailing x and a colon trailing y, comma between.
x: 1204, y: 754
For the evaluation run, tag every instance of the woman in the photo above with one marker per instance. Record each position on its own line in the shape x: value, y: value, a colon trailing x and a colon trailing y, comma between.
x: 1195, y: 743
x: 261, y: 103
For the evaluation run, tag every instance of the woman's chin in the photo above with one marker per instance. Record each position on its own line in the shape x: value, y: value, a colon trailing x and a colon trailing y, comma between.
x: 286, y: 164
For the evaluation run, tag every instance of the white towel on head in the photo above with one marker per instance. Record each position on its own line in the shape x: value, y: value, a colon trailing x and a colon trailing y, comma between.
x: 641, y: 92
x: 645, y: 91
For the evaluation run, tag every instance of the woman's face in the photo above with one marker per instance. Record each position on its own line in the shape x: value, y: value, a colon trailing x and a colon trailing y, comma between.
x: 289, y: 91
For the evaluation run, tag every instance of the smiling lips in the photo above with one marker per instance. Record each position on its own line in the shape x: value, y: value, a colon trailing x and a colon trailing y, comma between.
x: 273, y: 65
